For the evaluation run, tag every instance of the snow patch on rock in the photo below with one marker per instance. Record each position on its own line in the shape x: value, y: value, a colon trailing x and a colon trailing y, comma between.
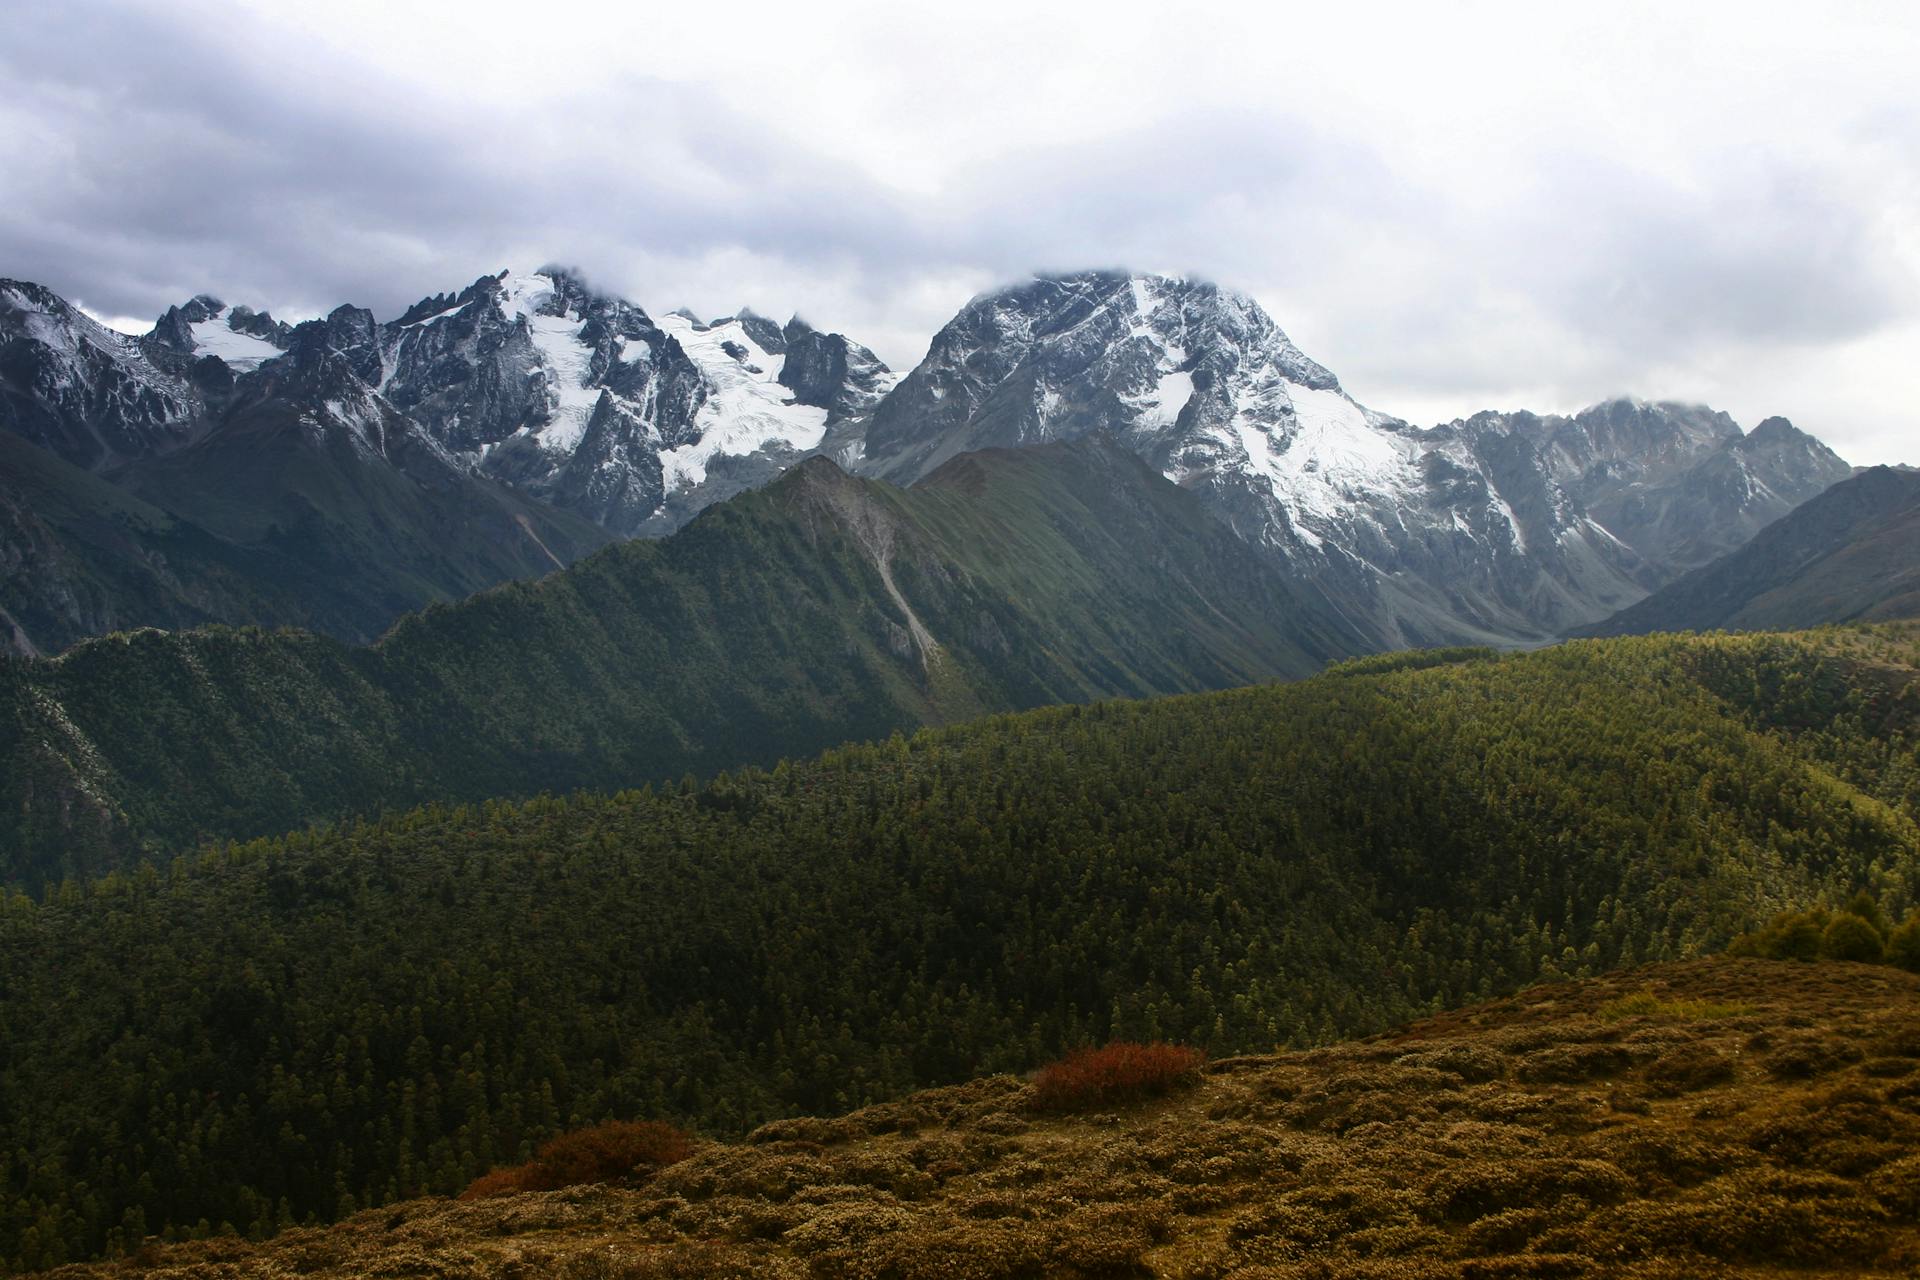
x: 241, y: 352
x: 747, y: 409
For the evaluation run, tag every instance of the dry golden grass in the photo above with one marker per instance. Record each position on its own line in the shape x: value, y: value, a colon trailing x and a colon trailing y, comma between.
x: 1711, y: 1119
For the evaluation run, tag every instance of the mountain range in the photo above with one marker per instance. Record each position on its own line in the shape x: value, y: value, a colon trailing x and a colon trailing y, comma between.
x: 1496, y: 528
x: 338, y: 473
x: 587, y: 750
x: 232, y: 481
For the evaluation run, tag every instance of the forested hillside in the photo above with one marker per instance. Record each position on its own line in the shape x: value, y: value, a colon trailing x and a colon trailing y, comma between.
x: 298, y: 1027
x: 820, y: 610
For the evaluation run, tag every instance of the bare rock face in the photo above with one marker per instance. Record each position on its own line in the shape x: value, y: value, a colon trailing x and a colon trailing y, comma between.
x: 83, y: 392
x: 587, y: 402
x: 828, y: 371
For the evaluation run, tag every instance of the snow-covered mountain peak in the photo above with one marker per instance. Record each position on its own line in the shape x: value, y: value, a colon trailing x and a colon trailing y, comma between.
x: 555, y: 311
x: 43, y: 316
x: 1491, y: 528
x: 239, y: 349
x: 1463, y: 532
x: 582, y: 397
x: 1195, y: 376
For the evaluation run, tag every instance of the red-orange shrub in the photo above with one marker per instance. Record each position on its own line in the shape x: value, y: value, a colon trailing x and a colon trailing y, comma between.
x: 1118, y: 1073
x: 497, y: 1182
x: 612, y: 1152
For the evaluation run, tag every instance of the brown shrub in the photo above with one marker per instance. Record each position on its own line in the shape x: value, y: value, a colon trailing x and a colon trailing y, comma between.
x: 1679, y: 1158
x: 1742, y: 1222
x: 701, y: 1261
x: 1569, y: 1064
x: 1897, y: 1186
x: 1507, y: 1231
x: 801, y: 1129
x: 1900, y: 1042
x: 616, y: 1151
x: 610, y: 1152
x: 1804, y: 1057
x: 1472, y: 1063
x: 1118, y: 1073
x: 1688, y: 1068
x: 1845, y: 1130
x: 971, y: 1251
x: 1317, y: 1215
x: 1110, y: 1239
x: 1474, y: 1191
x: 1538, y: 1266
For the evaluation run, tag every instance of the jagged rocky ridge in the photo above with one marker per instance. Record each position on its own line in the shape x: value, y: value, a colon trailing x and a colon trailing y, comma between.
x: 587, y: 402
x: 225, y: 467
x: 1496, y: 527
x: 1502, y: 527
x: 577, y: 397
x: 338, y: 473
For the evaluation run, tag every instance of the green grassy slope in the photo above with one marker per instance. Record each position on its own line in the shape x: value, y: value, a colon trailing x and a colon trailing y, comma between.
x: 344, y: 1017
x: 764, y: 629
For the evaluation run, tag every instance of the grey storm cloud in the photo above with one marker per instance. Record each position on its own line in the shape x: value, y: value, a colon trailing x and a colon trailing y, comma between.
x: 190, y: 169
x: 148, y: 155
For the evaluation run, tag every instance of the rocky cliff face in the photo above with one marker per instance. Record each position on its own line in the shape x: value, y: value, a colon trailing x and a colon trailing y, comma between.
x: 83, y: 392
x: 576, y: 398
x: 587, y: 402
x: 1678, y: 483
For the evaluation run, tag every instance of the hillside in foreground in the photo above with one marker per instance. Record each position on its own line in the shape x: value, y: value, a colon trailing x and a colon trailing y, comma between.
x: 1714, y: 1118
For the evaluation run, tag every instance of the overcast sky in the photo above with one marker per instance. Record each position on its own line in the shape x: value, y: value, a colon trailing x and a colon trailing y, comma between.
x: 1453, y: 206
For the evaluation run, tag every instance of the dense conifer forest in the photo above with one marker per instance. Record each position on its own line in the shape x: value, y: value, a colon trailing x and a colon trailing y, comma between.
x: 293, y: 1028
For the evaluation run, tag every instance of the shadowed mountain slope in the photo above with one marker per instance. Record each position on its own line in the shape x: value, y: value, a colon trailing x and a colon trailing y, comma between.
x: 1851, y: 554
x: 818, y: 610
